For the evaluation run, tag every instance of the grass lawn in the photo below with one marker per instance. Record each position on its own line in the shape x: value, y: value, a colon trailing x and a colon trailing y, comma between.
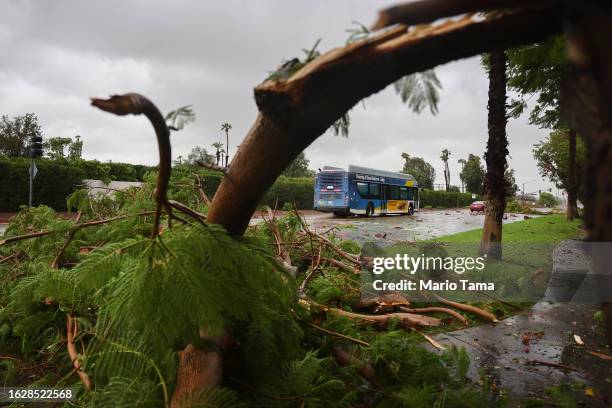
x: 548, y: 228
x: 520, y: 278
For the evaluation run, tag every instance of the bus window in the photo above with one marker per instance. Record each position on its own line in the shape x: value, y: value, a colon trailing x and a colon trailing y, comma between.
x: 392, y: 193
x: 411, y: 193
x: 403, y: 193
x: 363, y: 189
x: 374, y: 190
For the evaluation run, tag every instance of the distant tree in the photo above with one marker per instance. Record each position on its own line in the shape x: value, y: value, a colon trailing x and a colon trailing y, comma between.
x: 552, y: 159
x: 55, y: 147
x: 75, y: 149
x: 473, y: 174
x: 454, y: 189
x: 226, y: 128
x: 422, y: 171
x: 547, y: 199
x: 445, y: 155
x: 462, y: 163
x: 218, y: 153
x: 199, y: 154
x: 511, y: 186
x: 539, y: 70
x: 177, y: 119
x: 299, y: 167
x: 15, y: 134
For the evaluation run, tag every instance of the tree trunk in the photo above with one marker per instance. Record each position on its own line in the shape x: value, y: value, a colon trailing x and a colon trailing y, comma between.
x: 295, y: 111
x: 572, y: 189
x: 497, y: 150
x: 587, y: 106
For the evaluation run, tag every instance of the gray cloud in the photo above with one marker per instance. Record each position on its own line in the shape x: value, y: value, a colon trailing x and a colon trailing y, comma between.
x: 211, y: 54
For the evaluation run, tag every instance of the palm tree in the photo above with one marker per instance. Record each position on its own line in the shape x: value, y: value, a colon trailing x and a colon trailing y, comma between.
x: 177, y: 119
x: 226, y: 128
x: 445, y: 155
x: 219, y: 147
x: 497, y: 150
x: 462, y: 162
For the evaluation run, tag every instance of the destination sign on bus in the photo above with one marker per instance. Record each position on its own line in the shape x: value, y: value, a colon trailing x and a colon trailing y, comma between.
x: 369, y: 178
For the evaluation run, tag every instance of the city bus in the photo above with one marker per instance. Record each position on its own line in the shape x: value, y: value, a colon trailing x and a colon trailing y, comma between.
x: 364, y: 191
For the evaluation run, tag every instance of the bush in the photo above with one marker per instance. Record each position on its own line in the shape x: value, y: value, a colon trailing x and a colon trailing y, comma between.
x: 445, y: 199
x: 290, y: 190
x: 53, y: 183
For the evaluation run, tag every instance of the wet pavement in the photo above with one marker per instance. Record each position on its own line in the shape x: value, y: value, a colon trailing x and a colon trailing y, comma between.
x: 529, y: 352
x: 393, y: 229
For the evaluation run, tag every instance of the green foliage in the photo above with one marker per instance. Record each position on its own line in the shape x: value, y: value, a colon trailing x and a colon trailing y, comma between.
x: 547, y: 199
x: 422, y: 171
x: 54, y: 147
x: 473, y: 174
x: 15, y: 134
x: 444, y: 199
x: 299, y: 167
x: 538, y: 69
x: 552, y: 155
x: 53, y: 183
x: 179, y: 118
x: 420, y: 90
x: 290, y: 190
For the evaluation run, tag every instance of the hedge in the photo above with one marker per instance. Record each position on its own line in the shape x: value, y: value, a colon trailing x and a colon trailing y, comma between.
x: 53, y: 183
x: 445, y: 199
x: 56, y: 180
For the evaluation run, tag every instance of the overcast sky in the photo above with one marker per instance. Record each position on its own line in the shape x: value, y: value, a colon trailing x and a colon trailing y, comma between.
x: 56, y: 54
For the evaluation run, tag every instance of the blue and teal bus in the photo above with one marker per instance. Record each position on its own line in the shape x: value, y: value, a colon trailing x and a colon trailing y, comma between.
x: 365, y: 191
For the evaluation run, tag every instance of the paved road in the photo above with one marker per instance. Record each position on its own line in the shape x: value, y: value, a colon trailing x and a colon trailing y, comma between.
x: 513, y: 351
x: 393, y: 229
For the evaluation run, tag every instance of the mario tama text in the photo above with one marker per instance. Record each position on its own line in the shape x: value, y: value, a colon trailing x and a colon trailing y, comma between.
x: 426, y: 269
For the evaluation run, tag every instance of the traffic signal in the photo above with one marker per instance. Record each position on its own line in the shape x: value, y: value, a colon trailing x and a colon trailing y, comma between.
x: 36, y: 147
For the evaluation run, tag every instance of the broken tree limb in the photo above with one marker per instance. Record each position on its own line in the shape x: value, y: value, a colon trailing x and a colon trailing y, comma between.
x: 203, y: 195
x: 71, y: 333
x: 341, y: 265
x: 445, y: 310
x: 365, y: 370
x: 339, y: 335
x: 382, y: 322
x: 293, y: 113
x: 430, y: 340
x: 136, y: 104
x: 74, y: 227
x: 426, y: 11
x: 468, y: 308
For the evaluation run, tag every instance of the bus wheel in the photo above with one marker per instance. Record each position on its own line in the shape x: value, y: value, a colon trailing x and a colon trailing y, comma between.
x: 410, y: 209
x: 369, y: 210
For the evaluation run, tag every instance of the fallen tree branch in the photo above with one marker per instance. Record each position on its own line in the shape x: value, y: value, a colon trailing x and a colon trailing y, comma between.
x: 77, y: 227
x: 203, y: 195
x: 341, y: 265
x: 445, y: 310
x: 71, y: 333
x: 426, y: 11
x: 382, y: 322
x: 365, y: 370
x: 468, y: 308
x: 430, y: 340
x: 336, y: 334
x: 137, y: 104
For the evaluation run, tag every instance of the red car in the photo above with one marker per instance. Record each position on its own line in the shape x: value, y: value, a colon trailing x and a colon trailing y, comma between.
x: 477, y: 207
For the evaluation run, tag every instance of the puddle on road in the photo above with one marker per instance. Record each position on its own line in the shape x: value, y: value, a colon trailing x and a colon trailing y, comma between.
x: 392, y: 229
